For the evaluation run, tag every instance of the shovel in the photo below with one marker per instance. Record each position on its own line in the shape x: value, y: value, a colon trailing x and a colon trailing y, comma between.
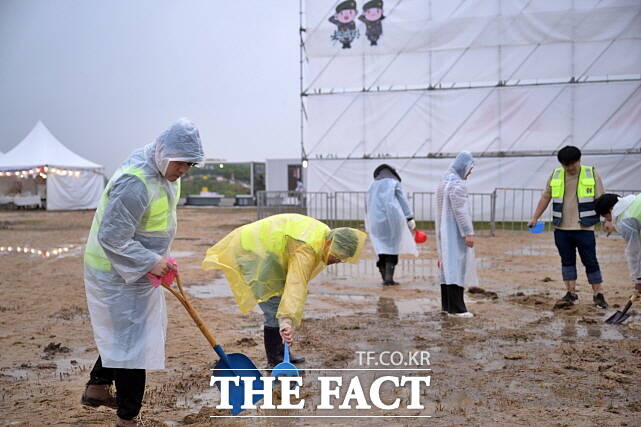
x: 620, y: 316
x: 285, y: 369
x: 229, y: 365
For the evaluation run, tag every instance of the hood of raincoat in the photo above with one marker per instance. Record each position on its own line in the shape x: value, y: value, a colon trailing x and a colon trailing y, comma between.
x: 386, y: 171
x: 461, y: 166
x: 346, y: 244
x: 179, y: 143
x: 622, y: 205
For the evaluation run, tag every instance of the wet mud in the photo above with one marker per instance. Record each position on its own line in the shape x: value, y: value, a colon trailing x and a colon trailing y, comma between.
x: 519, y: 361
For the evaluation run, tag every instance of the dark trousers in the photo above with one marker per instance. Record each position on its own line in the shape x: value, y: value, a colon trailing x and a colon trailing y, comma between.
x: 452, y: 298
x: 385, y: 258
x: 130, y: 387
x: 567, y: 242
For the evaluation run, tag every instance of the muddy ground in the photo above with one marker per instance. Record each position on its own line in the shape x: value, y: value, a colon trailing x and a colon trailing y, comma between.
x: 518, y: 362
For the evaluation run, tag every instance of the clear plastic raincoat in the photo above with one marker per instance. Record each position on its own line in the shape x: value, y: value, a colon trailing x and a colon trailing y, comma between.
x: 132, y: 230
x: 278, y: 256
x: 387, y: 215
x: 453, y: 223
x: 626, y: 216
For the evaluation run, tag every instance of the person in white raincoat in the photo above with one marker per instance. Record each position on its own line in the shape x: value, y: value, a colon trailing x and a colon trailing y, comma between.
x: 454, y: 236
x: 625, y: 214
x: 131, y: 234
x: 390, y: 221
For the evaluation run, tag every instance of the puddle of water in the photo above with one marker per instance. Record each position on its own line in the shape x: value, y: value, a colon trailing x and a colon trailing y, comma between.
x: 58, y: 367
x: 552, y: 250
x: 18, y: 373
x: 73, y: 365
x: 414, y: 268
x: 59, y: 252
x: 182, y: 254
x: 571, y: 328
x: 198, y: 400
x: 216, y: 289
x: 322, y: 306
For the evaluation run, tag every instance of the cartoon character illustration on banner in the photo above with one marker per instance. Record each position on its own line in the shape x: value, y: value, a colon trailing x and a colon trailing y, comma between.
x: 372, y: 17
x: 346, y: 30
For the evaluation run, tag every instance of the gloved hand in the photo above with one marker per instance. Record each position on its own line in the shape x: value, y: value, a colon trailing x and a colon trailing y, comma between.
x: 287, y: 334
x: 411, y: 224
x: 169, y: 269
x: 608, y: 227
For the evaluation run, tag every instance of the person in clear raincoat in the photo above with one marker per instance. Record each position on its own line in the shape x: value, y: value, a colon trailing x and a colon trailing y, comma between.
x: 390, y: 221
x: 455, y: 236
x: 270, y: 263
x: 132, y: 230
x: 625, y: 214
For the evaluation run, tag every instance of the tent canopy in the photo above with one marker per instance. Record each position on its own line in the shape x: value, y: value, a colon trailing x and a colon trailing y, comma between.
x: 41, y: 148
x: 81, y: 189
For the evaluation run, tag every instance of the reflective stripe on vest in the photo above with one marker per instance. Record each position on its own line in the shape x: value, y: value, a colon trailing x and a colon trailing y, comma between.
x: 585, y: 190
x: 155, y: 219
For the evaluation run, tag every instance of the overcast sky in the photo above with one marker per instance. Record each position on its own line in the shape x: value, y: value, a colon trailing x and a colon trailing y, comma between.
x: 108, y: 76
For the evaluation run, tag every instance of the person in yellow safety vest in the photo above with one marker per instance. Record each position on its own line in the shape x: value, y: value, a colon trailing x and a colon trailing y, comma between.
x: 133, y: 228
x: 270, y: 263
x: 625, y: 214
x: 572, y: 189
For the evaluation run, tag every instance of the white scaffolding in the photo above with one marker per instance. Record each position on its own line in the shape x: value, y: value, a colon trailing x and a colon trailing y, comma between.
x: 511, y: 81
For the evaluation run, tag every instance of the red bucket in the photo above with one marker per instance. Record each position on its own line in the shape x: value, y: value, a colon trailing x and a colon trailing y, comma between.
x: 419, y: 236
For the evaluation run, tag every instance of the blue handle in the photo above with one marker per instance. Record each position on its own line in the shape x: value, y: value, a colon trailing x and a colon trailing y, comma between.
x: 286, y: 355
x: 221, y: 353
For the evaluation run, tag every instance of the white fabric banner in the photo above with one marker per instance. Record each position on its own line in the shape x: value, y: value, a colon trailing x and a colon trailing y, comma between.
x: 599, y: 116
x: 71, y: 192
x: 427, y: 42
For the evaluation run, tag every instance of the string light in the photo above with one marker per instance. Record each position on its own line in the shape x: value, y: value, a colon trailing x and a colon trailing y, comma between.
x: 42, y: 172
x: 7, y: 250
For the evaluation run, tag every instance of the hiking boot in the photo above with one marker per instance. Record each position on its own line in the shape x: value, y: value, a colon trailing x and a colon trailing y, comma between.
x: 599, y: 301
x: 98, y: 395
x: 570, y: 297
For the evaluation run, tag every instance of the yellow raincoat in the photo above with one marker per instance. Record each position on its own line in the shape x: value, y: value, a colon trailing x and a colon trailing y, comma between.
x: 278, y: 256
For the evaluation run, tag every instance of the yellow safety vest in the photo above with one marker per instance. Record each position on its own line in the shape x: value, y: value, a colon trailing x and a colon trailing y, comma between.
x: 155, y: 219
x: 585, y: 189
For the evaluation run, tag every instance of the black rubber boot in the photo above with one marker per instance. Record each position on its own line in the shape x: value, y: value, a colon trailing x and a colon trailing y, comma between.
x: 444, y: 302
x: 388, y: 275
x: 380, y: 264
x: 274, y: 348
x: 455, y: 302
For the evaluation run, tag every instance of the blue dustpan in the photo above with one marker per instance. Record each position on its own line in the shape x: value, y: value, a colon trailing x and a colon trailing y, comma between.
x: 538, y: 228
x: 229, y: 365
x: 237, y: 365
x: 285, y: 369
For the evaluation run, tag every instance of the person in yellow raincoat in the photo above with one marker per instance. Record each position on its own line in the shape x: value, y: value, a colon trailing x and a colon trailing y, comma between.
x: 270, y: 262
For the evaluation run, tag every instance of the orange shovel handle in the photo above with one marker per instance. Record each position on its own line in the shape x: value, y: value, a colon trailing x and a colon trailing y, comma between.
x: 182, y: 297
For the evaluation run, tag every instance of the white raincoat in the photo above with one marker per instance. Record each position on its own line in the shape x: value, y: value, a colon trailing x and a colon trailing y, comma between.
x: 387, y: 214
x: 453, y: 223
x: 128, y: 314
x: 626, y: 216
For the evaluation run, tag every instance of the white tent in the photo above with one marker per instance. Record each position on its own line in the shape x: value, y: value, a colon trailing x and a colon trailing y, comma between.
x: 72, y: 182
x: 510, y: 81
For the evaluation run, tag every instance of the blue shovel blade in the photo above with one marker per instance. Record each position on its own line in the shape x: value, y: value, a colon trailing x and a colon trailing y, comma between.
x: 241, y: 366
x: 538, y: 228
x: 284, y: 369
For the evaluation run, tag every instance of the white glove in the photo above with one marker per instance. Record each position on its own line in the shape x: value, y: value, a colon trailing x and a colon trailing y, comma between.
x: 411, y: 224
